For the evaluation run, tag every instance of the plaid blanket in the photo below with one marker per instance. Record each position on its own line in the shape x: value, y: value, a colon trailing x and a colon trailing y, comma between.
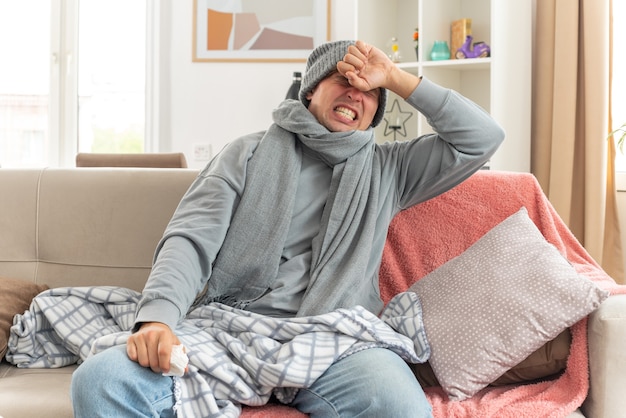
x: 235, y: 357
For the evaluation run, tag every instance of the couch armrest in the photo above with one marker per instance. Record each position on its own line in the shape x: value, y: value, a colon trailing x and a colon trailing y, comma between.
x: 607, y: 359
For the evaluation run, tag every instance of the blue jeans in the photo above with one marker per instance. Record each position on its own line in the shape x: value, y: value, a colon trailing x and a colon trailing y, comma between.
x: 110, y: 384
x: 372, y: 383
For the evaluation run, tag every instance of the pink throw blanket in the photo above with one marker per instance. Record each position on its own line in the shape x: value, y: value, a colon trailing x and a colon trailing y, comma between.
x: 424, y: 237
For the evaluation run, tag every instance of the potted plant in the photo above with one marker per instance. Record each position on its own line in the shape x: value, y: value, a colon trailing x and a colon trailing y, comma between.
x: 621, y: 138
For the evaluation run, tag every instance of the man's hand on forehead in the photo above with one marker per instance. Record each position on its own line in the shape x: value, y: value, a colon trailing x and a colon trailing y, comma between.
x: 364, y: 66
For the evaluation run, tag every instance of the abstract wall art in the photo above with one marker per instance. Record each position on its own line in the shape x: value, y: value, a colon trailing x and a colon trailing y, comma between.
x: 255, y: 30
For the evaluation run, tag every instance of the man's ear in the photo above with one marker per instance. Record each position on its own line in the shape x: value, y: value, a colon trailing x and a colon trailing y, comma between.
x: 310, y: 94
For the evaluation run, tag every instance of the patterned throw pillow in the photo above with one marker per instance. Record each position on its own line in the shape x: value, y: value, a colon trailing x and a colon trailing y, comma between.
x: 492, y: 306
x: 545, y: 363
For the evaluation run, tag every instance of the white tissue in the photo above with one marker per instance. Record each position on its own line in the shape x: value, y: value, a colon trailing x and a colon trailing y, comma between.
x: 178, y: 361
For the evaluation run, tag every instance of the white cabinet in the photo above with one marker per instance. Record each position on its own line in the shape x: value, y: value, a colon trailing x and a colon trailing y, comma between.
x: 500, y: 83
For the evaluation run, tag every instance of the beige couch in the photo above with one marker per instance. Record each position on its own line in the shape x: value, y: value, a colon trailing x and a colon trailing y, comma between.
x: 99, y: 226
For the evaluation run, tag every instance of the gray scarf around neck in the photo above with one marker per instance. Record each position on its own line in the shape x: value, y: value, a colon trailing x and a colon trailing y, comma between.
x: 249, y: 259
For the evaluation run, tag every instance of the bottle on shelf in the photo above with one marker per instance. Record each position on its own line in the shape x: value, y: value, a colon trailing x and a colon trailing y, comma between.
x: 294, y: 89
x: 394, y: 53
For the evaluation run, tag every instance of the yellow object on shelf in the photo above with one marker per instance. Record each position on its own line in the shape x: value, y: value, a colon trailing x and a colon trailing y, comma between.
x: 395, y: 51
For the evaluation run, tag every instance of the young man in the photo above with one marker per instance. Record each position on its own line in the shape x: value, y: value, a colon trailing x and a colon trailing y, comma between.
x: 292, y: 222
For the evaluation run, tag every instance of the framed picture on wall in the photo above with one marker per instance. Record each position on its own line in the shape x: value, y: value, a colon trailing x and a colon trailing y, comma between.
x: 268, y: 30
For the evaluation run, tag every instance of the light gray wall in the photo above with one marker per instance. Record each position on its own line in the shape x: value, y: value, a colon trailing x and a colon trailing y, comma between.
x: 214, y: 103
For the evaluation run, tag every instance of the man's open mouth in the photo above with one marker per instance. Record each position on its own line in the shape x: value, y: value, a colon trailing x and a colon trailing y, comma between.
x: 345, y: 112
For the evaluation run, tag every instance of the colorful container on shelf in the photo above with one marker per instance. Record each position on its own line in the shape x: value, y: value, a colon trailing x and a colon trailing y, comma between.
x: 440, y: 51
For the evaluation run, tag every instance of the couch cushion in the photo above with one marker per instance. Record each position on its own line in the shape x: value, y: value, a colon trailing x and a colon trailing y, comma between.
x: 18, y: 222
x: 489, y: 308
x: 41, y: 393
x: 15, y: 298
x: 549, y: 360
x: 100, y: 226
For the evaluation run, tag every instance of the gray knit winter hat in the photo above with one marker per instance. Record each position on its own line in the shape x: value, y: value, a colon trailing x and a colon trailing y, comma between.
x: 322, y: 61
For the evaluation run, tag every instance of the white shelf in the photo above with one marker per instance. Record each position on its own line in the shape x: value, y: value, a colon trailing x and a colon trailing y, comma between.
x: 501, y: 83
x: 464, y: 64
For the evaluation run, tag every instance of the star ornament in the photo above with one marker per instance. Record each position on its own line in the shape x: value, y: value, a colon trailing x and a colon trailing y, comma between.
x: 395, y: 120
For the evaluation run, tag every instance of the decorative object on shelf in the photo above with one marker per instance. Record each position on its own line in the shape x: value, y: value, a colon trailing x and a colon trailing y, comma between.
x: 459, y: 30
x: 394, y: 53
x: 416, y: 39
x: 294, y: 89
x: 395, y: 120
x: 440, y: 51
x: 467, y: 50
